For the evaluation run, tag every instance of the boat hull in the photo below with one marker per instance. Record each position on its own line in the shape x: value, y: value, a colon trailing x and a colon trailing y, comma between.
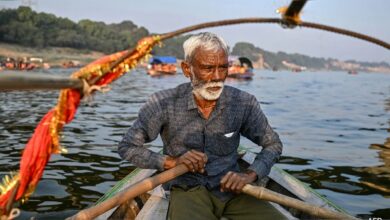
x: 243, y: 76
x: 160, y: 73
x: 154, y: 205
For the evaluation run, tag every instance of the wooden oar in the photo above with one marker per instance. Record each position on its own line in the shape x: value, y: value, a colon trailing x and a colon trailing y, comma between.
x: 137, y: 189
x: 150, y: 183
x: 269, y: 195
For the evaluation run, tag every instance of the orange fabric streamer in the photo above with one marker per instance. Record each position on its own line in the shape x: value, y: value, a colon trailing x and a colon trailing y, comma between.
x: 45, y: 139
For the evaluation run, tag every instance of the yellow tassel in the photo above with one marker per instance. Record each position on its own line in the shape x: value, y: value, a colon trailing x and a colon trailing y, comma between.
x: 8, y: 182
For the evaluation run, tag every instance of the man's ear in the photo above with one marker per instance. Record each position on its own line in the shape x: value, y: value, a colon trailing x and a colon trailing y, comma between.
x: 186, y: 69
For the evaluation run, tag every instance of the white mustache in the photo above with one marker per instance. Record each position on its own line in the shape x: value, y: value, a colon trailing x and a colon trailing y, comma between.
x: 201, y: 88
x: 213, y: 84
x: 203, y: 91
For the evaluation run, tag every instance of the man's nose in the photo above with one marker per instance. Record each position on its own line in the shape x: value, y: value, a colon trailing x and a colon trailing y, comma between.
x: 218, y: 74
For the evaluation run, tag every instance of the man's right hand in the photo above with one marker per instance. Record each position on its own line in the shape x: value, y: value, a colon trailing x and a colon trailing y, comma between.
x: 194, y: 160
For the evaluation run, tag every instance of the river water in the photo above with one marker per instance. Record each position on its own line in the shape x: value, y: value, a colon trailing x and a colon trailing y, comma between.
x: 334, y: 126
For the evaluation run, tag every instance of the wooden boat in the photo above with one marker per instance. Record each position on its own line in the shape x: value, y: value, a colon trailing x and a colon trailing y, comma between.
x: 162, y: 65
x: 352, y: 72
x: 154, y: 205
x: 240, y: 68
x: 244, y: 76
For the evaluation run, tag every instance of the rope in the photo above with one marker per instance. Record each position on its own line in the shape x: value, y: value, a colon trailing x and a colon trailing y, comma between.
x: 346, y: 32
x: 217, y: 24
x: 14, y: 213
x: 279, y: 21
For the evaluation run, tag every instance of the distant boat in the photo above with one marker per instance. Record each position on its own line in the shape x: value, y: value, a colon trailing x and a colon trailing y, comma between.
x: 352, y: 72
x: 293, y: 67
x: 240, y: 68
x: 162, y: 65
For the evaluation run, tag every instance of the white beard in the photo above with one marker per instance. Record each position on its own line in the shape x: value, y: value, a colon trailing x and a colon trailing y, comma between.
x: 200, y: 88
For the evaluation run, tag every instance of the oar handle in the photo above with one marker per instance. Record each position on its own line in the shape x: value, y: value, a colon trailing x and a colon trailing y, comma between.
x: 268, y: 195
x: 132, y: 191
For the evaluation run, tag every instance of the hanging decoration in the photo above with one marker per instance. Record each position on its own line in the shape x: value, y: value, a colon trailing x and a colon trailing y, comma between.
x: 45, y: 140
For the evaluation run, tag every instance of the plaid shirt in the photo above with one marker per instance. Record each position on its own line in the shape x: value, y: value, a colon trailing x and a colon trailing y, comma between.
x: 174, y: 115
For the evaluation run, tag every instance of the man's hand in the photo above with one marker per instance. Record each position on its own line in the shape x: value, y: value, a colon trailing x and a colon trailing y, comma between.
x: 234, y: 182
x: 194, y: 160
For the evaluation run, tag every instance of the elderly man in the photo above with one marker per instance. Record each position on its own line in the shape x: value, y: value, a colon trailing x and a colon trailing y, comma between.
x: 200, y: 124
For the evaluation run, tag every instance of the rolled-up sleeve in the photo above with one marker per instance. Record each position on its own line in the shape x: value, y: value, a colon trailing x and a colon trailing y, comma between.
x: 257, y: 129
x: 146, y: 128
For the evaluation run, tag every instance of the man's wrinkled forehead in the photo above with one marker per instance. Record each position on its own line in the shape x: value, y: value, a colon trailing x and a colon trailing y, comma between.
x: 210, y: 56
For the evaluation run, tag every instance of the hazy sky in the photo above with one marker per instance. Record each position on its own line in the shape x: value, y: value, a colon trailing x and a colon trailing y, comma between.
x: 365, y: 16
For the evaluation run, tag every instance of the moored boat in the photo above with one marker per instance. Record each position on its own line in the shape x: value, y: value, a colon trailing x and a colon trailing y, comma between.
x: 154, y: 204
x: 162, y: 65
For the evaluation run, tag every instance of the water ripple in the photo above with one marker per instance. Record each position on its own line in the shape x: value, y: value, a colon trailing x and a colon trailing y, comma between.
x: 335, y: 130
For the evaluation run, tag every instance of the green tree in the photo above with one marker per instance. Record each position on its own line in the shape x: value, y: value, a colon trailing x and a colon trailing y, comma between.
x: 26, y: 27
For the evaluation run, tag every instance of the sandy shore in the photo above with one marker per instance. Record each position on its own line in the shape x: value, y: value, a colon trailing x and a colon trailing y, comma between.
x: 55, y: 56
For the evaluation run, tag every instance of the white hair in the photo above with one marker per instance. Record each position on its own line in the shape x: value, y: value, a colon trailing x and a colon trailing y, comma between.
x: 207, y: 41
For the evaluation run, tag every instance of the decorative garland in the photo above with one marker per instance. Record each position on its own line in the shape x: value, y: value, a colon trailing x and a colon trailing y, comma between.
x: 45, y: 140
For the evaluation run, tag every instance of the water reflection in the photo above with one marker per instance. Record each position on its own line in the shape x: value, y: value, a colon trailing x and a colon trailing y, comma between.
x: 382, y: 171
x: 330, y: 124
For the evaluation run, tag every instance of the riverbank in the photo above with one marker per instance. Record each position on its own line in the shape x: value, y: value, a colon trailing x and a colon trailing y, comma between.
x: 54, y: 56
x: 70, y: 57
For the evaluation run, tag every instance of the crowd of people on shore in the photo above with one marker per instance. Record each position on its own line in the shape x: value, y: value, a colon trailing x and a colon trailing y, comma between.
x: 31, y: 63
x: 19, y: 63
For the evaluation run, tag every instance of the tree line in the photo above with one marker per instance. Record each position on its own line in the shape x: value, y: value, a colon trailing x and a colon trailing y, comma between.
x: 26, y: 27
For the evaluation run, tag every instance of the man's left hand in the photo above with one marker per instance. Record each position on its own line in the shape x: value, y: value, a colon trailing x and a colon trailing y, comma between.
x: 234, y: 182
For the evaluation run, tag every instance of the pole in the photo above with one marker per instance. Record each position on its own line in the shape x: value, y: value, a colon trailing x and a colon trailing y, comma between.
x: 26, y: 81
